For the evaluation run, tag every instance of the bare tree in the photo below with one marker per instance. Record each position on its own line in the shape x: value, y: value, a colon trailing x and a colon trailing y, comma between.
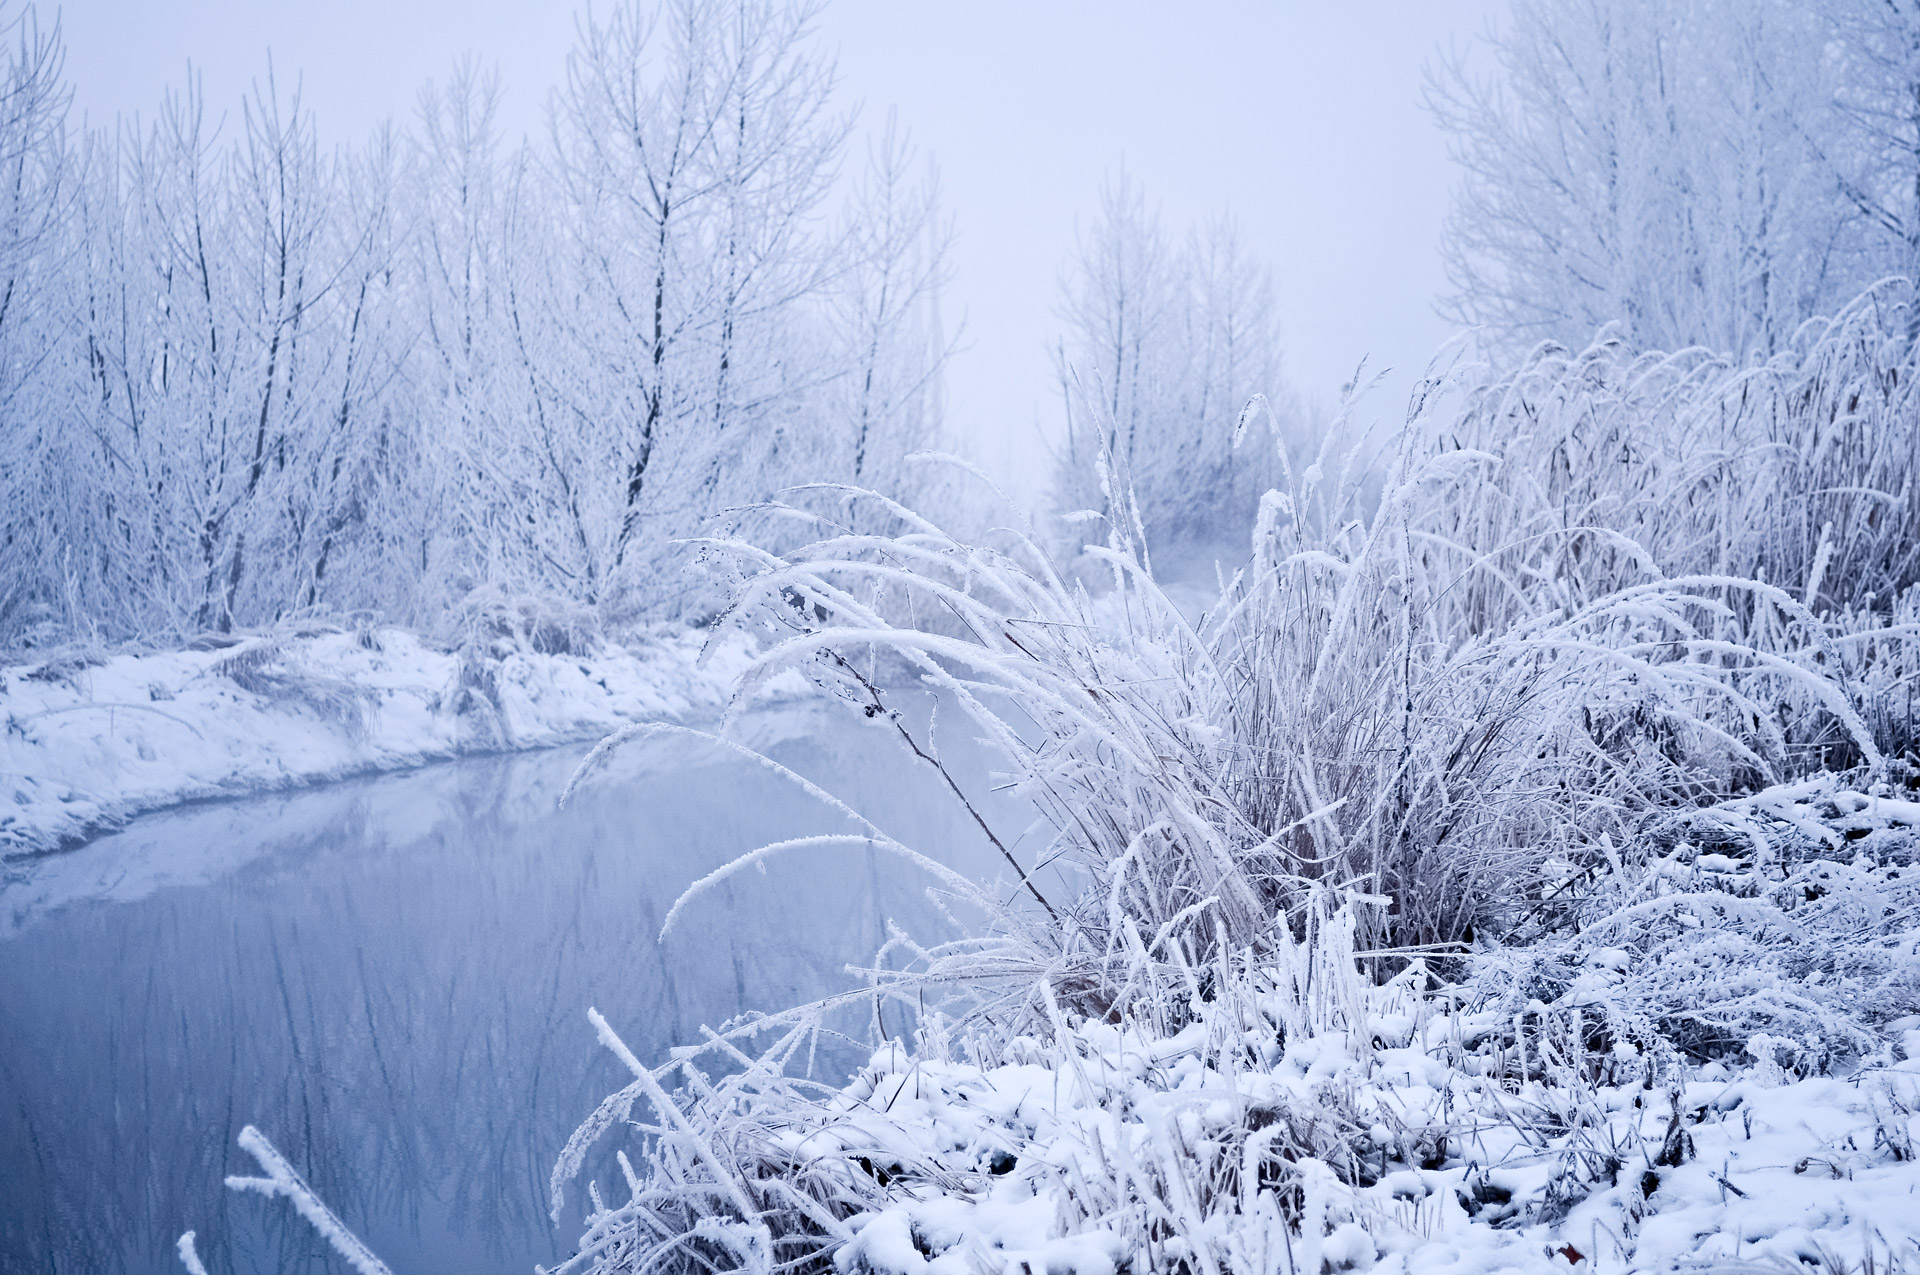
x: 251, y: 376
x: 240, y: 349
x: 1165, y: 342
x: 895, y: 248
x: 1876, y: 157
x: 694, y: 145
x: 36, y: 187
x: 1650, y: 164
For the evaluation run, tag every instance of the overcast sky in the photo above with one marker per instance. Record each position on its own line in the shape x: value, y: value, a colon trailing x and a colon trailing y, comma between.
x: 1302, y: 117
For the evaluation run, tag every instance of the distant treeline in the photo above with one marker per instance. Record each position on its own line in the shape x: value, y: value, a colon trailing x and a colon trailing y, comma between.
x: 245, y: 376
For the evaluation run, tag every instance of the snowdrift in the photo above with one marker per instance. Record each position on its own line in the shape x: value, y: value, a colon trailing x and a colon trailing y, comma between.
x: 86, y: 743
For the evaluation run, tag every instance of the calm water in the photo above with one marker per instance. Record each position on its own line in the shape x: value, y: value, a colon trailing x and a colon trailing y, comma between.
x: 390, y: 977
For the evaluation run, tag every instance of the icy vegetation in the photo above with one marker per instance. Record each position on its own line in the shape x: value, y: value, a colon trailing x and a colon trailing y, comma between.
x: 1303, y: 1118
x: 252, y: 375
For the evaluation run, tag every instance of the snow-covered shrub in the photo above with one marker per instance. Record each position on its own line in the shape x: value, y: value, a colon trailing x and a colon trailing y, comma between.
x: 1879, y: 652
x: 1304, y: 1118
x: 1790, y: 914
x: 1117, y: 1138
x: 1531, y: 708
x: 488, y: 626
x: 1337, y: 718
x: 549, y: 625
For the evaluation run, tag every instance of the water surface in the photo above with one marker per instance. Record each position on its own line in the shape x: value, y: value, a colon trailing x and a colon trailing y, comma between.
x: 390, y: 978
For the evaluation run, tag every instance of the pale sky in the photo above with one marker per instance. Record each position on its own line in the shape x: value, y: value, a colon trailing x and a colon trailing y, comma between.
x: 1301, y: 117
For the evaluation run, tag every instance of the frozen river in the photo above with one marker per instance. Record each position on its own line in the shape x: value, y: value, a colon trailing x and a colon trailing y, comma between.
x: 390, y: 977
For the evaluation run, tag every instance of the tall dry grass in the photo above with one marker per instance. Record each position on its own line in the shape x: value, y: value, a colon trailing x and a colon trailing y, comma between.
x: 1460, y: 680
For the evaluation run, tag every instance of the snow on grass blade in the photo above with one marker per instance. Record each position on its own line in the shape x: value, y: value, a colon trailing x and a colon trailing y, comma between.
x: 284, y: 1182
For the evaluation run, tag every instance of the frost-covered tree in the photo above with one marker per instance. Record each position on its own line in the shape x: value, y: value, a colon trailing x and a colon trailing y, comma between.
x: 249, y: 376
x: 1650, y: 163
x: 885, y: 308
x: 1164, y: 343
x: 224, y: 425
x: 1875, y: 156
x: 693, y: 146
x: 1717, y: 175
x: 36, y: 183
x: 499, y: 507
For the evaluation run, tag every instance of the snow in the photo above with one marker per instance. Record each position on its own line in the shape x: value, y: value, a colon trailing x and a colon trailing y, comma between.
x: 1776, y: 1172
x: 85, y: 744
x: 1298, y: 1119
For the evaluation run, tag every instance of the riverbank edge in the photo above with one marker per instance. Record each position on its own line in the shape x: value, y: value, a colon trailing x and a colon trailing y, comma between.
x: 89, y: 741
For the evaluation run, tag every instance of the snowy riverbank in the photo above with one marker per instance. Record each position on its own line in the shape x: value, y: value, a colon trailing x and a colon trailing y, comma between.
x: 88, y: 742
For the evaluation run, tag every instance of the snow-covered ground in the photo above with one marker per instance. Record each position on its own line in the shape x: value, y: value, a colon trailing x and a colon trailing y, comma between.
x: 1722, y: 1074
x: 87, y: 743
x: 1723, y: 1169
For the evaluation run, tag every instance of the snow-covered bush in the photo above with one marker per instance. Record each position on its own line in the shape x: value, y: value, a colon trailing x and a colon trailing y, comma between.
x: 276, y: 671
x: 550, y: 625
x: 1789, y: 914
x: 1348, y: 713
x: 1449, y: 760
x: 1304, y: 1119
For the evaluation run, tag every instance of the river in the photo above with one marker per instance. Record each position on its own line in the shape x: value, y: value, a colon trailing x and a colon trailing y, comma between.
x: 390, y: 977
